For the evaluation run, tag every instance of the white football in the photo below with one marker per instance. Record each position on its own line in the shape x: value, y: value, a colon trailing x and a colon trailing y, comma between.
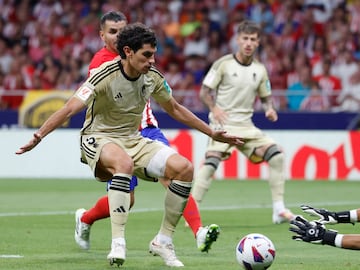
x: 255, y: 252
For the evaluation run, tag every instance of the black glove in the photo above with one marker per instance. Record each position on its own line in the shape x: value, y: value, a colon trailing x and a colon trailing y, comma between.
x: 327, y: 217
x: 311, y: 232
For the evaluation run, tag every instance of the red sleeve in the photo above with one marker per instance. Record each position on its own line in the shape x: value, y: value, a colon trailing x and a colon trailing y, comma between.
x: 101, y: 57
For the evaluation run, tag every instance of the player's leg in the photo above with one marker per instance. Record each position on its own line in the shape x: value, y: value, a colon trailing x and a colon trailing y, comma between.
x: 264, y: 149
x: 85, y: 218
x: 204, y: 177
x: 108, y: 160
x: 169, y: 164
x: 275, y: 158
x: 116, y: 162
x: 205, y: 236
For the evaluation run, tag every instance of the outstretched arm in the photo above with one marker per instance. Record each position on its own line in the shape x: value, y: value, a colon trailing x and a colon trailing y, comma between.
x: 316, y: 233
x: 268, y: 106
x: 71, y: 107
x: 185, y: 116
x: 328, y: 217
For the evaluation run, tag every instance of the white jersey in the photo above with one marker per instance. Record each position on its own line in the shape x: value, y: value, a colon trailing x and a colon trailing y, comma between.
x: 236, y: 87
x: 115, y: 102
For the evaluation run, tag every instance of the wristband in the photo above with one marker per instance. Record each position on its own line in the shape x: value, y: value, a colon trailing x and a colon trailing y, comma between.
x: 338, y: 240
x: 329, y: 238
x: 353, y: 216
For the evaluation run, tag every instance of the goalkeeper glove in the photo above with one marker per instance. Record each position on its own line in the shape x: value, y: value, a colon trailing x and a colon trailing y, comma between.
x: 327, y: 217
x: 311, y: 232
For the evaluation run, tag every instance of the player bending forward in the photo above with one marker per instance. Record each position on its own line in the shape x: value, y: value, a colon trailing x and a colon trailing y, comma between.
x: 115, y: 97
x: 315, y: 231
x: 110, y: 25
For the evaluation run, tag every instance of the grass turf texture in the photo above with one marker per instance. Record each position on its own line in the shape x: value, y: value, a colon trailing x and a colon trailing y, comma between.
x: 37, y: 222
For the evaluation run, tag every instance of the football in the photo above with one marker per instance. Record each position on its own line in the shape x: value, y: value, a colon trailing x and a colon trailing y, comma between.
x: 255, y: 252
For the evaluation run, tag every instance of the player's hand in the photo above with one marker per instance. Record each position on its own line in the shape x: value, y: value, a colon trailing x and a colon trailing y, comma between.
x: 271, y: 114
x: 222, y: 136
x: 311, y: 232
x: 326, y: 217
x: 30, y: 145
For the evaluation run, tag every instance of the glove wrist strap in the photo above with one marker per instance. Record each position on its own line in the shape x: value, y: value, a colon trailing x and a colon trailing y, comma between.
x: 329, y: 238
x: 343, y: 217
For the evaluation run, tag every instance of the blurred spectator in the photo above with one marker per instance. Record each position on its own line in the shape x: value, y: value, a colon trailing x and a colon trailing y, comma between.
x: 196, y: 44
x: 297, y: 92
x: 5, y: 56
x: 3, y: 105
x: 316, y: 101
x: 296, y: 34
x: 320, y: 49
x: 345, y: 68
x: 44, y: 9
x: 354, y: 10
x: 173, y: 75
x: 349, y: 98
x: 263, y: 15
x: 14, y: 86
x: 329, y: 84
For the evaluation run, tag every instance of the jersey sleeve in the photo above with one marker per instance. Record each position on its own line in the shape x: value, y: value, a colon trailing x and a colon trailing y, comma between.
x: 214, y: 76
x: 85, y: 93
x: 265, y: 85
x: 162, y: 91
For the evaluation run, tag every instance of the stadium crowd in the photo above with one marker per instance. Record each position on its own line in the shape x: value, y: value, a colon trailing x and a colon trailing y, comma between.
x: 311, y: 48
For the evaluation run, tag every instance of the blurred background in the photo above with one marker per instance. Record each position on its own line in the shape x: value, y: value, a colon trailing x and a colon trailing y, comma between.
x: 311, y: 49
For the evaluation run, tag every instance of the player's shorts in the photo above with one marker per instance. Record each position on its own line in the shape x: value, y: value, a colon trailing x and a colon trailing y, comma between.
x: 251, y: 135
x: 149, y: 156
x: 153, y: 133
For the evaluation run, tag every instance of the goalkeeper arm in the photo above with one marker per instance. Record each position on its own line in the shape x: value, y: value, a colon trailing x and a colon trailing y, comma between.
x: 328, y: 217
x: 316, y: 233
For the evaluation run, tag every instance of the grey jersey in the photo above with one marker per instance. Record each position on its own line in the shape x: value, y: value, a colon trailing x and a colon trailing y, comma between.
x: 115, y: 102
x: 237, y: 86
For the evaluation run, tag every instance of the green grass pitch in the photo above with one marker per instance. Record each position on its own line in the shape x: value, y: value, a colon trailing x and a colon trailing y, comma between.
x: 37, y: 223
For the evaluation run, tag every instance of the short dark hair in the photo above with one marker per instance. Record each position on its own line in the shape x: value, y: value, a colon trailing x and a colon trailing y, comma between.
x: 135, y: 36
x: 249, y: 27
x: 114, y: 16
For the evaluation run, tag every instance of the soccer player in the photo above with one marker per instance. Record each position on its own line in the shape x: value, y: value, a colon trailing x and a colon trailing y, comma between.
x: 315, y: 232
x: 229, y: 90
x: 115, y: 96
x: 110, y: 25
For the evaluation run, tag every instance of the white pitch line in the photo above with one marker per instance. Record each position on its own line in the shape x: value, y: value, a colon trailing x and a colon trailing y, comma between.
x: 213, y: 208
x: 10, y: 256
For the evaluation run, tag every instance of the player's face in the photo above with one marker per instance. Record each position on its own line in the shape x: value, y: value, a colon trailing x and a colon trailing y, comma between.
x: 247, y: 43
x: 109, y: 33
x: 143, y: 59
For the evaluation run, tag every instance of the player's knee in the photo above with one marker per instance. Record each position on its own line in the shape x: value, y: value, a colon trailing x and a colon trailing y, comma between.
x: 179, y: 168
x: 276, y: 161
x: 273, y: 152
